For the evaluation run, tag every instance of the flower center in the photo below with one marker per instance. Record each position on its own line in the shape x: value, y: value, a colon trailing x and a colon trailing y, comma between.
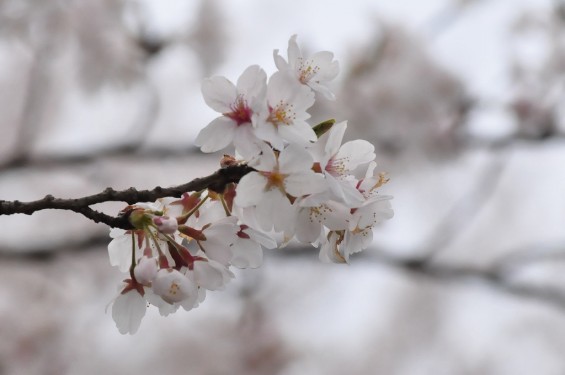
x: 240, y: 113
x: 306, y: 70
x: 174, y: 289
x: 337, y: 167
x: 282, y: 114
x: 275, y: 180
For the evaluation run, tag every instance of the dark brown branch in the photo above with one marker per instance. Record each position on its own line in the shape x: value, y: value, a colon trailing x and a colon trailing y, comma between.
x: 215, y: 182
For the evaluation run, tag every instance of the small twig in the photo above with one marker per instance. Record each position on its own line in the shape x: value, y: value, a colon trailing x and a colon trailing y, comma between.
x: 215, y: 182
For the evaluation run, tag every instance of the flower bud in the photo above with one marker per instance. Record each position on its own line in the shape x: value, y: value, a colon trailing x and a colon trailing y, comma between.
x: 165, y: 224
x: 146, y: 270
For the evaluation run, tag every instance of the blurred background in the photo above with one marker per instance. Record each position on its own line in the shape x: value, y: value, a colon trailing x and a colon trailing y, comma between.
x: 464, y: 101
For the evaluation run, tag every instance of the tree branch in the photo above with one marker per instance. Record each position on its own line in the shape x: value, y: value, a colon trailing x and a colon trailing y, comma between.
x: 215, y: 182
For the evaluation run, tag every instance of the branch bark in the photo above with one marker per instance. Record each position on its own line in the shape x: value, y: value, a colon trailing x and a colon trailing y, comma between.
x: 215, y: 182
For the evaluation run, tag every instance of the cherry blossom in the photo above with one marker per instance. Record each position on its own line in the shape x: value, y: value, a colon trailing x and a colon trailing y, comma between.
x: 285, y: 117
x: 289, y: 173
x: 314, y: 71
x: 239, y: 105
x: 338, y: 162
x: 303, y: 185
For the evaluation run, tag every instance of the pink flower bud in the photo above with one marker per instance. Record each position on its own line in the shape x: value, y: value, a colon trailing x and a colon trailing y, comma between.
x: 165, y: 224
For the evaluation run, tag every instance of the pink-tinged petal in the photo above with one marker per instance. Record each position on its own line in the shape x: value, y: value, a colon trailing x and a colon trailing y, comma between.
x: 219, y: 93
x: 299, y: 184
x: 355, y: 153
x: 250, y: 189
x: 295, y: 159
x: 252, y: 83
x: 216, y: 135
x: 127, y: 311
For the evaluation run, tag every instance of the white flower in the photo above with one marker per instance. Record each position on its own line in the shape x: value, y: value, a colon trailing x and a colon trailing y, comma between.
x: 285, y: 117
x: 338, y: 162
x: 314, y: 71
x: 340, y: 244
x: 291, y: 173
x: 172, y: 286
x: 239, y: 105
x: 128, y: 310
x: 311, y: 220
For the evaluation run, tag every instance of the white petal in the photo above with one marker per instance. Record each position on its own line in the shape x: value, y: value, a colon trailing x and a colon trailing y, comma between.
x: 326, y: 92
x: 328, y: 70
x: 127, y: 311
x: 299, y: 133
x: 250, y: 189
x: 246, y: 142
x: 219, y: 93
x: 334, y: 137
x: 299, y: 184
x: 165, y: 308
x: 274, y: 210
x: 266, y: 161
x: 307, y: 228
x: 262, y: 238
x: 119, y: 251
x: 280, y: 62
x: 253, y: 82
x: 355, y: 153
x: 219, y: 237
x: 293, y: 51
x: 295, y: 159
x: 268, y: 132
x: 211, y: 275
x: 345, y: 192
x: 246, y: 254
x: 216, y: 135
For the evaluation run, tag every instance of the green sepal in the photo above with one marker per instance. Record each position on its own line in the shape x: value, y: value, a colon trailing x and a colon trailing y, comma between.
x: 323, y: 127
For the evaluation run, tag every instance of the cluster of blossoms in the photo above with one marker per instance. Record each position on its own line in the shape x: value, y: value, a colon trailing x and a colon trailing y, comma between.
x: 305, y: 186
